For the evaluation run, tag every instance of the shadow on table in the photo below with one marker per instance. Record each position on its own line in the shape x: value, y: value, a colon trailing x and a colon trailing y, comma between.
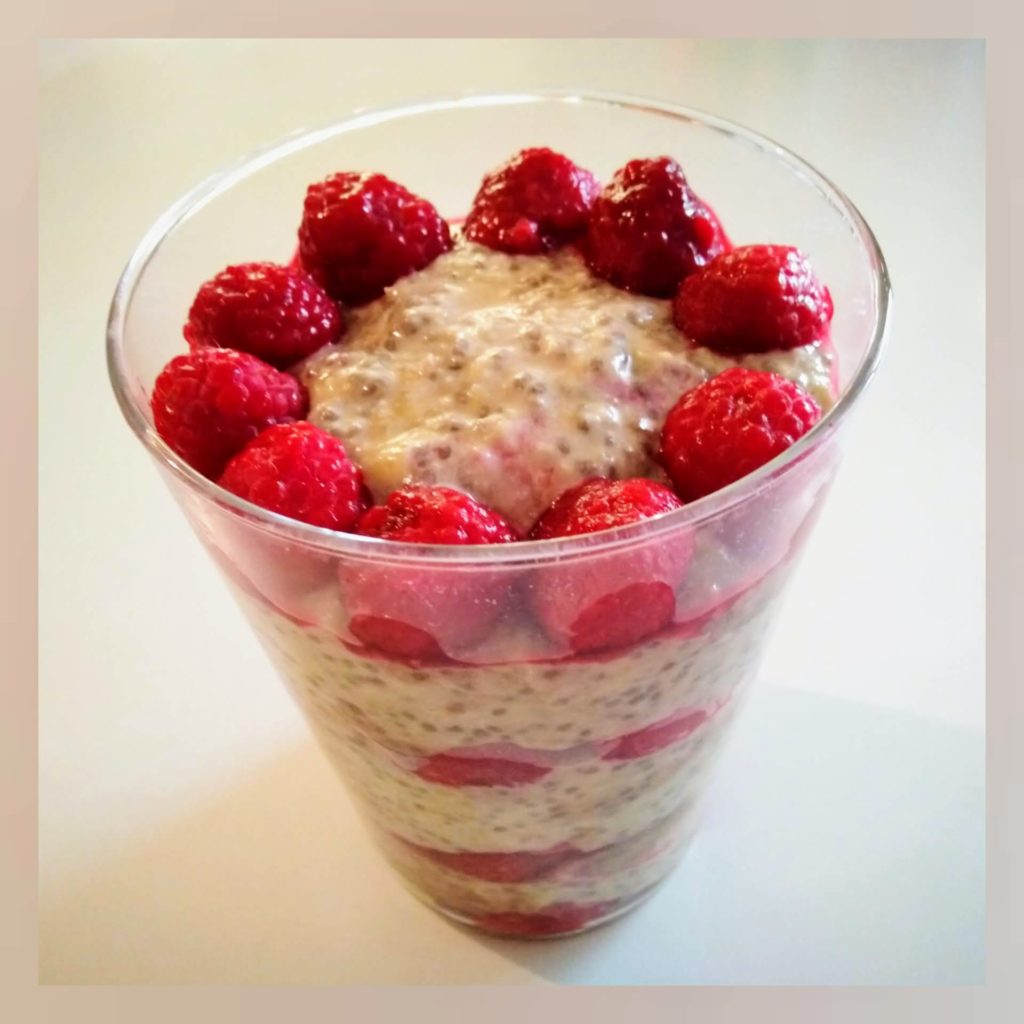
x: 275, y: 882
x: 843, y: 844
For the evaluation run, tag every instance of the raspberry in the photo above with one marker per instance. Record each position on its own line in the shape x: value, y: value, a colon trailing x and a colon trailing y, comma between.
x: 609, y: 600
x: 551, y: 920
x: 435, y: 515
x: 299, y: 471
x: 649, y: 230
x: 362, y: 232
x: 448, y: 770
x: 754, y: 299
x: 655, y: 737
x: 420, y: 613
x: 535, y: 202
x: 731, y: 425
x: 276, y: 313
x: 209, y: 404
x: 600, y: 504
x: 515, y: 866
x: 389, y: 634
x: 298, y: 582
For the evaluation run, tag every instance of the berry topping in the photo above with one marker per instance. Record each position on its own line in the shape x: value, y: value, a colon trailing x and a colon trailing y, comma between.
x: 533, y: 203
x: 447, y: 770
x: 276, y: 313
x: 649, y: 230
x: 435, y: 515
x: 421, y: 612
x: 299, y: 471
x: 731, y: 425
x: 754, y: 299
x: 209, y: 404
x: 600, y: 504
x: 362, y: 232
x: 611, y: 600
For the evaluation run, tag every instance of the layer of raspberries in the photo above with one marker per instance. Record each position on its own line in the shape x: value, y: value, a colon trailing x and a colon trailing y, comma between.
x: 535, y: 202
x: 233, y: 408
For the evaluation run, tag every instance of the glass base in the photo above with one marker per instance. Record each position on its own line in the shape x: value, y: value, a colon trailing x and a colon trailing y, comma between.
x: 496, y: 931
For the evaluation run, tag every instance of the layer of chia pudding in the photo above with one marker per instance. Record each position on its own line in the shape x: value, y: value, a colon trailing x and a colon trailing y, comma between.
x: 617, y: 872
x: 513, y: 378
x: 618, y: 747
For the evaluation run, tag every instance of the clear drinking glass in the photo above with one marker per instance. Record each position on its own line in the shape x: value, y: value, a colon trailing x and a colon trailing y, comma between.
x: 514, y: 785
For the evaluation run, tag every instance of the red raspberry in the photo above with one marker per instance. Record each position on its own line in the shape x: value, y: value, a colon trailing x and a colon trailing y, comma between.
x: 600, y: 504
x: 551, y: 920
x: 279, y: 314
x: 421, y: 613
x: 299, y: 471
x: 754, y: 299
x: 209, y: 404
x: 649, y: 230
x: 515, y: 866
x: 296, y: 581
x: 435, y: 515
x: 655, y: 737
x: 609, y: 600
x: 448, y: 770
x: 533, y: 203
x: 362, y: 232
x: 729, y: 426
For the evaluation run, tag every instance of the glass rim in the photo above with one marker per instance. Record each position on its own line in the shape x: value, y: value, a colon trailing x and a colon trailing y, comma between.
x: 690, y: 515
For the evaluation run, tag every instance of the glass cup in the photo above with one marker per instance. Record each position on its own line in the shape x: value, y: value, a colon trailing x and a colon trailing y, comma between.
x: 527, y: 770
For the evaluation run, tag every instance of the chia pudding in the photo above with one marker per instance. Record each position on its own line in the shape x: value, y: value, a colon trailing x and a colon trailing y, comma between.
x: 528, y: 738
x: 513, y: 378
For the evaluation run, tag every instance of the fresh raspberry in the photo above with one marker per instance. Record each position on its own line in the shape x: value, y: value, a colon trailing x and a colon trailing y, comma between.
x: 720, y: 574
x: 649, y: 230
x: 276, y: 313
x: 435, y: 515
x: 611, y: 600
x: 209, y: 404
x: 754, y: 299
x: 448, y: 770
x: 729, y: 426
x: 601, y: 504
x: 655, y: 737
x: 535, y: 202
x: 422, y: 613
x: 553, y: 919
x: 362, y: 232
x: 299, y: 471
x: 386, y: 633
x: 515, y: 866
x: 296, y: 581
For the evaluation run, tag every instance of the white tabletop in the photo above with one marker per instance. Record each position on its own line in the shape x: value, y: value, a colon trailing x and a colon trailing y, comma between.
x: 189, y: 829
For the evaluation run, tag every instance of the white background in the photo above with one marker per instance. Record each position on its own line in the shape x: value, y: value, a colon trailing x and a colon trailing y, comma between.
x: 190, y: 831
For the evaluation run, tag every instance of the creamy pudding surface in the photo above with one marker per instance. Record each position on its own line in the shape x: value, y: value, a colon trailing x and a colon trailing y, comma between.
x: 513, y: 378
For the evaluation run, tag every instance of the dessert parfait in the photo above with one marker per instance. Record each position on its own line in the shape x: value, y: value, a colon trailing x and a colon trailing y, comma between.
x: 574, y: 360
